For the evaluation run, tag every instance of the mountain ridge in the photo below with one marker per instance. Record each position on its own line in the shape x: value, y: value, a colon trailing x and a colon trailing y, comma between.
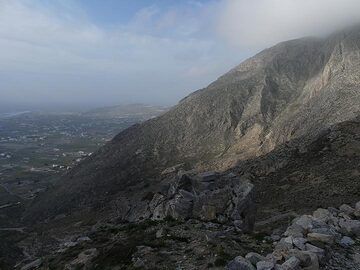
x: 296, y: 88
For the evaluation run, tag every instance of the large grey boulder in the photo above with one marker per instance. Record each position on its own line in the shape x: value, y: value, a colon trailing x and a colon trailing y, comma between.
x: 207, y: 197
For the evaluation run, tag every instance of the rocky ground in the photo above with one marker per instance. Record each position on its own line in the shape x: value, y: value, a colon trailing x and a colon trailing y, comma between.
x: 327, y: 239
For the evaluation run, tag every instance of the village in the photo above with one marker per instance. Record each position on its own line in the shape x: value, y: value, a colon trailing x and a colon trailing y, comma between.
x: 35, y: 148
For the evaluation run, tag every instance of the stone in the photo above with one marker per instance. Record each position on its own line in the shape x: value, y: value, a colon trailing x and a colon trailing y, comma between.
x: 357, y: 214
x: 325, y: 230
x: 314, y: 262
x: 285, y: 244
x: 265, y: 265
x: 357, y: 206
x: 160, y: 233
x: 316, y: 250
x: 305, y: 222
x: 289, y: 240
x: 344, y: 216
x: 240, y: 263
x: 83, y: 239
x: 346, y: 241
x: 295, y: 231
x: 322, y: 214
x: 33, y: 265
x: 324, y: 238
x: 303, y: 256
x: 347, y: 209
x: 292, y: 263
x: 254, y: 258
x: 350, y: 227
x: 270, y: 257
x: 299, y: 242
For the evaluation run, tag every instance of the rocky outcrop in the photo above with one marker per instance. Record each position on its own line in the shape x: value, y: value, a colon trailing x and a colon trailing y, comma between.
x: 209, y: 196
x: 310, y: 242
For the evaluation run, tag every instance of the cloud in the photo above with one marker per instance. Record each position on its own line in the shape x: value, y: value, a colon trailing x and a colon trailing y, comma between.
x: 262, y: 23
x: 52, y: 51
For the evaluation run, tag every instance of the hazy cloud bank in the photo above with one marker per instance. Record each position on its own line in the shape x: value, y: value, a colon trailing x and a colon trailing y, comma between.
x: 53, y: 52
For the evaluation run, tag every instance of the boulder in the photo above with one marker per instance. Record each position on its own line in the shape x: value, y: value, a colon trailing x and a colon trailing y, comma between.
x: 347, y: 209
x: 357, y: 214
x: 350, y: 227
x: 357, y: 206
x: 295, y: 230
x: 240, y: 263
x: 346, y: 241
x: 299, y: 242
x: 314, y: 262
x: 284, y: 244
x: 316, y: 250
x: 320, y: 237
x: 306, y: 222
x: 292, y: 263
x: 303, y: 256
x: 225, y: 200
x: 254, y: 258
x: 265, y: 265
x: 323, y: 215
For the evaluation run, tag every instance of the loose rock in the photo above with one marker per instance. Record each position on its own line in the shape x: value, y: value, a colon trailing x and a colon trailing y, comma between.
x: 240, y: 263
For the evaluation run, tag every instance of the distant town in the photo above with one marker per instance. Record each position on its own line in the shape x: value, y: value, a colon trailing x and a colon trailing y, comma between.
x: 37, y: 147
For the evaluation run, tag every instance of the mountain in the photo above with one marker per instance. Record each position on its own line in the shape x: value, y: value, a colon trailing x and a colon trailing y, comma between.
x: 296, y: 89
x: 298, y: 177
x: 140, y: 111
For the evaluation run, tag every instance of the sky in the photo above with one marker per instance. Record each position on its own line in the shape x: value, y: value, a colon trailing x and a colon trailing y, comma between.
x: 90, y: 53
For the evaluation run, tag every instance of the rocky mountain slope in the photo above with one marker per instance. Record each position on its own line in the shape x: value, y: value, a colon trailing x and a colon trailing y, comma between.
x: 297, y: 88
x: 308, y: 172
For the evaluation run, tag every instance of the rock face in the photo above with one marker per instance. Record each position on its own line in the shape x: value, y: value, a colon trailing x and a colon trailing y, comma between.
x: 302, y: 178
x: 223, y: 198
x: 296, y: 88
